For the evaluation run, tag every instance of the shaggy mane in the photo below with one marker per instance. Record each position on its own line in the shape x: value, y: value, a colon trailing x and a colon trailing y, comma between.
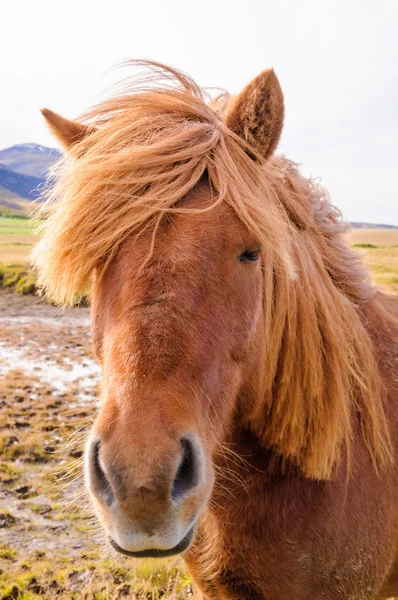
x: 148, y: 147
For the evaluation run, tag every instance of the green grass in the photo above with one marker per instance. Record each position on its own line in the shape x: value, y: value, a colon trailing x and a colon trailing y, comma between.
x: 17, y: 277
x: 365, y: 245
x: 10, y: 212
x: 17, y: 238
x: 7, y: 552
x: 11, y: 226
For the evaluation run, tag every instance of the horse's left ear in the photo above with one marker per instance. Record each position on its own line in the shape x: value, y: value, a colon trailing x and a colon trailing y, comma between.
x: 67, y: 132
x: 256, y: 114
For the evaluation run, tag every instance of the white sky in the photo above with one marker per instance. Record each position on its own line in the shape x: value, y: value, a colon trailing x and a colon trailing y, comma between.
x: 337, y: 61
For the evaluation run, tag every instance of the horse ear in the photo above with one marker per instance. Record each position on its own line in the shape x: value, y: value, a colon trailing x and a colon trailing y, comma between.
x: 67, y: 132
x: 256, y: 114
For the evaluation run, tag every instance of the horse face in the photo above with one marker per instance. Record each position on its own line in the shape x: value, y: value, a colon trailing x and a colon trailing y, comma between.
x: 176, y: 331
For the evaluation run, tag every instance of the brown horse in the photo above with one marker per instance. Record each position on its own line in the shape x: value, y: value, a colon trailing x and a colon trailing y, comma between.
x: 249, y: 369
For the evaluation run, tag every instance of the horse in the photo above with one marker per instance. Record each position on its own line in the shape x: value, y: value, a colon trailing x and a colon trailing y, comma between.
x: 248, y: 398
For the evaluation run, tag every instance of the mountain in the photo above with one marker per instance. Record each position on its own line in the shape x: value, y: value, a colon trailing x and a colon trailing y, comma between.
x: 356, y: 225
x: 23, y: 169
x: 24, y: 186
x: 12, y: 204
x: 29, y: 159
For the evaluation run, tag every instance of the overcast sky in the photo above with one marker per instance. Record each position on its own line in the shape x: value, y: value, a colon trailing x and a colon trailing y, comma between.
x: 337, y: 62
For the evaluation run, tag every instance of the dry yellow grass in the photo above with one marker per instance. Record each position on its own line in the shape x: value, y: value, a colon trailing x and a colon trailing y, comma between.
x: 16, y: 239
x: 16, y: 248
x: 378, y: 237
x: 381, y: 256
x: 383, y: 263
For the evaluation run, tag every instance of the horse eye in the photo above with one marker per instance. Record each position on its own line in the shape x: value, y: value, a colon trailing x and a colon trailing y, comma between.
x: 249, y: 256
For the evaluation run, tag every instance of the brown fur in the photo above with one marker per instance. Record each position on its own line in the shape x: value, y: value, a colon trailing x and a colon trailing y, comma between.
x: 285, y: 369
x: 67, y: 132
x: 256, y: 114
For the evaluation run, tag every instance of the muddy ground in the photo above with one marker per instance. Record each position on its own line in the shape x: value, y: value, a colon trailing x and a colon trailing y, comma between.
x: 50, y: 544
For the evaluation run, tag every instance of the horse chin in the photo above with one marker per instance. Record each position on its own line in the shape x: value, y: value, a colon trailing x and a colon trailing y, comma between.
x: 153, y: 552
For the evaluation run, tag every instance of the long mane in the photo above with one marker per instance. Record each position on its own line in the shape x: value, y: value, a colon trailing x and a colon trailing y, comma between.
x: 149, y: 146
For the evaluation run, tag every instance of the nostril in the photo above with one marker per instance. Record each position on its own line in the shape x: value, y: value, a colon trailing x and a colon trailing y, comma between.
x: 99, y: 480
x: 187, y: 474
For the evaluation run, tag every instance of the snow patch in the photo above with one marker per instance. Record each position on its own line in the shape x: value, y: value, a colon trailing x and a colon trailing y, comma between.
x: 84, y: 375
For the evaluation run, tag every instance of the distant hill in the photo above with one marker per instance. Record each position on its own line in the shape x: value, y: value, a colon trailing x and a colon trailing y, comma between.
x: 23, y: 186
x: 12, y: 204
x: 23, y: 168
x: 8, y: 197
x: 29, y: 159
x: 356, y: 225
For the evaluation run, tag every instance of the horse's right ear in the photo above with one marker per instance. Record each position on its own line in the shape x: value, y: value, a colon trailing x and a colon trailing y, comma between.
x: 256, y: 114
x: 67, y: 132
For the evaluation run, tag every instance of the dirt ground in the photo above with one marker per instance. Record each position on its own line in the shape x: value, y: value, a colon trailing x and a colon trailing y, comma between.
x: 50, y: 545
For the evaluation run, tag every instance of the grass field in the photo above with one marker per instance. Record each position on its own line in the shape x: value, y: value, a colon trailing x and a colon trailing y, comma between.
x: 16, y: 239
x: 380, y: 251
x: 15, y: 226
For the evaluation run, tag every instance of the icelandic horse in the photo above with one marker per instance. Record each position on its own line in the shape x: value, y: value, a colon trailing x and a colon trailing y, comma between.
x: 248, y: 414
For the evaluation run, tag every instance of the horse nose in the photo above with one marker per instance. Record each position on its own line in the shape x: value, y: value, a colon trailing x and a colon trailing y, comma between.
x: 98, y: 481
x: 109, y: 482
x: 187, y: 476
